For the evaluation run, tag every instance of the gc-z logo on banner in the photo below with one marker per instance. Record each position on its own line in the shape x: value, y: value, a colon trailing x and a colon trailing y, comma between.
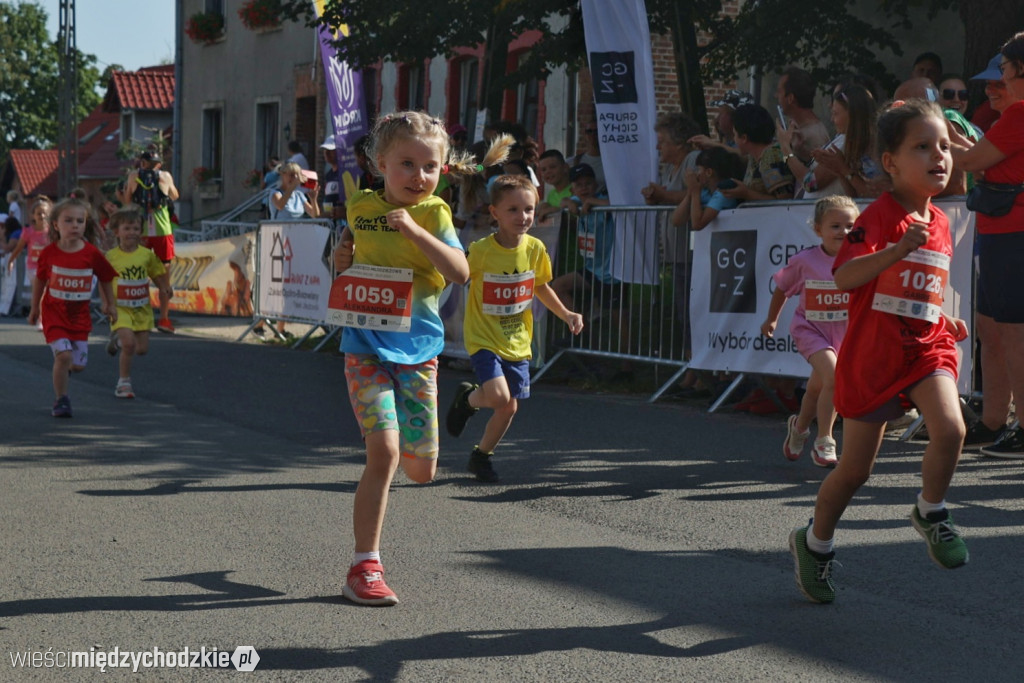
x: 614, y: 77
x: 733, y: 277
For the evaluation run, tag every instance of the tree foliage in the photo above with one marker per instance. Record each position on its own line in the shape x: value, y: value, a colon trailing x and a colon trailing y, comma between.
x: 29, y: 82
x: 827, y: 38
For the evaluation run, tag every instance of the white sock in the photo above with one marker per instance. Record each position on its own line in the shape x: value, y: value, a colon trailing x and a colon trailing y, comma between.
x: 362, y: 557
x: 815, y: 545
x: 124, y: 380
x: 924, y: 507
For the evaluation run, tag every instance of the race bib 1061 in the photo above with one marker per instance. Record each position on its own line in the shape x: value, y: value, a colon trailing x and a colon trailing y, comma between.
x: 372, y: 298
x: 823, y: 302
x: 507, y: 294
x: 913, y: 287
x: 70, y: 284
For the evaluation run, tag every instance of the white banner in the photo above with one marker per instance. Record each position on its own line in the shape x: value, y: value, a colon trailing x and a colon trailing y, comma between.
x: 733, y: 264
x: 619, y: 49
x: 294, y: 279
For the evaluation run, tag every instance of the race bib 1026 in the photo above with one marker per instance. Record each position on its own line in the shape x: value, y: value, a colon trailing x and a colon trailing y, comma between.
x: 913, y: 287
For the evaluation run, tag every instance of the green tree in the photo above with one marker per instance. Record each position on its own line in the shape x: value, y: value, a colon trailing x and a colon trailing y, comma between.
x: 29, y: 84
x: 827, y: 38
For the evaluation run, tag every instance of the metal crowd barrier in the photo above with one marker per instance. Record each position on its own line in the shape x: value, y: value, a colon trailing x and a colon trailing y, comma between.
x: 642, y: 313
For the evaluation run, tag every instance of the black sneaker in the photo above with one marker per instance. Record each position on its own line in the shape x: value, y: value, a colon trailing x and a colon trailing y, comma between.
x: 979, y: 435
x: 460, y: 411
x: 1010, y: 445
x: 62, y: 407
x: 480, y: 466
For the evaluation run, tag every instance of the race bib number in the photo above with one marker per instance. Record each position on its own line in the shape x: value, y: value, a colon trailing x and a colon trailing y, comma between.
x: 823, y: 302
x: 586, y: 243
x: 372, y: 298
x: 34, y: 250
x: 913, y: 287
x: 132, y: 293
x: 507, y: 294
x: 69, y: 284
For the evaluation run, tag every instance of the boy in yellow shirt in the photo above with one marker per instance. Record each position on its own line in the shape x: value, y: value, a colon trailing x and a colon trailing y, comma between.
x: 507, y: 269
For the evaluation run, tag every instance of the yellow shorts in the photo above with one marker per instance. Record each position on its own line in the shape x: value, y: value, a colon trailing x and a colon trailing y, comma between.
x: 135, y: 319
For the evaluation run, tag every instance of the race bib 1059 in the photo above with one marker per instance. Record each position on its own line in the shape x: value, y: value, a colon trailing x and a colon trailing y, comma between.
x: 372, y: 298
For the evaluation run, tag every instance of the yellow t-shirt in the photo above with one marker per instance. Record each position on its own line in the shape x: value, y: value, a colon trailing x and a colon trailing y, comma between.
x: 500, y: 281
x: 377, y: 244
x: 134, y: 271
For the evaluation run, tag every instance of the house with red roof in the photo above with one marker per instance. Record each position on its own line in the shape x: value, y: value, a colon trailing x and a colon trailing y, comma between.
x: 138, y: 105
x: 144, y: 99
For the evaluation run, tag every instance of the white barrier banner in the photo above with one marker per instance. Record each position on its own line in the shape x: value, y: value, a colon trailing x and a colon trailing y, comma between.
x: 733, y: 264
x: 295, y: 280
x: 619, y: 50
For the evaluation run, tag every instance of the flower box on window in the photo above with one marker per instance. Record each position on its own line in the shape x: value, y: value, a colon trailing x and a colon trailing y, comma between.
x: 205, y: 27
x: 260, y: 15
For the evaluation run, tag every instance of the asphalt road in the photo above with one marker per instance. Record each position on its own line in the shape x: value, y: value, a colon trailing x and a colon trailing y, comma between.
x: 626, y: 541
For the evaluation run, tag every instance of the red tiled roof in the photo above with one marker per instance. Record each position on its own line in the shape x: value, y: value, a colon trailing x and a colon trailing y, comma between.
x: 148, y: 89
x: 37, y: 170
x: 99, y: 136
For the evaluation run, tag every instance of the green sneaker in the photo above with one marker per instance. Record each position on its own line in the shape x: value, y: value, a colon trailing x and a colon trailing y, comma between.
x: 813, y: 571
x: 945, y: 546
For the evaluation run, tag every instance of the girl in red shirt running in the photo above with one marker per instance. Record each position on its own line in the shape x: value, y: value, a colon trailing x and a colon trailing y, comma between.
x: 895, y: 263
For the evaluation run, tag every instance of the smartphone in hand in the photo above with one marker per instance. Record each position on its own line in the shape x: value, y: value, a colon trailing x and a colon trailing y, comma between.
x: 782, y: 117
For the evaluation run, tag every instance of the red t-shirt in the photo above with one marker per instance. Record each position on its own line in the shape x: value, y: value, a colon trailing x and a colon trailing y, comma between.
x: 1007, y: 134
x: 67, y: 277
x: 884, y: 353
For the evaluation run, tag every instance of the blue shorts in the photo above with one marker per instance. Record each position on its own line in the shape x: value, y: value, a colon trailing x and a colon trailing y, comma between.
x: 999, y: 261
x: 487, y: 365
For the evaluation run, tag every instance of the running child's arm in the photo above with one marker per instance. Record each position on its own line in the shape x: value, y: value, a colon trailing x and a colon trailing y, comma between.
x: 343, y: 252
x: 774, y: 308
x: 450, y: 261
x: 18, y: 248
x: 163, y: 283
x: 107, y: 302
x: 955, y: 326
x: 863, y: 269
x: 548, y: 297
x: 37, y: 295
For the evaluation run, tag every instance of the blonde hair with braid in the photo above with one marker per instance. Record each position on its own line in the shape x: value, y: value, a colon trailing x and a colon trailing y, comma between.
x: 391, y: 128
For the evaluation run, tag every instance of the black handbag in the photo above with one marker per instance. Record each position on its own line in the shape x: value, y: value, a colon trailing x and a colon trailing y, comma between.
x: 993, y: 199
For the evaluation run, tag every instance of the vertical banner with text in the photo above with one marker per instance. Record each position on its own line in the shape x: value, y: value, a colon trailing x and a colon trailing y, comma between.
x: 619, y: 49
x: 348, y: 110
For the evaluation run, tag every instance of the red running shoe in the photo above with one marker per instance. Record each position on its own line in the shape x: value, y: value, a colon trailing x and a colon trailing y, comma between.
x: 365, y: 585
x: 755, y: 396
x: 165, y: 325
x: 768, y: 406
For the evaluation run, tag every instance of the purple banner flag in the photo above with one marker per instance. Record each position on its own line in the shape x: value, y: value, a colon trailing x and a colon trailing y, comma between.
x: 348, y: 110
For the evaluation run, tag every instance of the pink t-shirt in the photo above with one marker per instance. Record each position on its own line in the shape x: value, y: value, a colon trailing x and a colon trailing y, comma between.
x: 35, y: 242
x: 828, y: 327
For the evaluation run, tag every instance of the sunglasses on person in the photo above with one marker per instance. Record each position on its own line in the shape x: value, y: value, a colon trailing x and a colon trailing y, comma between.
x: 949, y: 94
